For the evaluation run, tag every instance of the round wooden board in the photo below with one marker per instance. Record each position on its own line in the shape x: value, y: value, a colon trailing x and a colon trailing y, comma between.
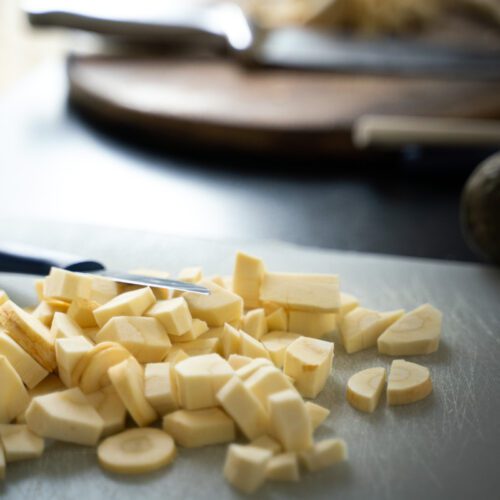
x: 216, y: 102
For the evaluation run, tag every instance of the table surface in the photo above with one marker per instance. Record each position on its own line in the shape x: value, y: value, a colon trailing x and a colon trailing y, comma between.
x: 57, y: 164
x: 445, y: 446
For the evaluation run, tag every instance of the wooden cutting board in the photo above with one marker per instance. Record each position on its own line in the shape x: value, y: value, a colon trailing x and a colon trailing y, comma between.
x: 443, y: 447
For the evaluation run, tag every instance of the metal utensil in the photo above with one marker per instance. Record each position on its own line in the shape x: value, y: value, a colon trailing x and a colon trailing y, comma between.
x: 23, y: 259
x: 225, y: 25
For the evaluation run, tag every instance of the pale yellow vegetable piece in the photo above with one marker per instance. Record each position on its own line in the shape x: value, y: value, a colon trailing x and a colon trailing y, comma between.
x: 313, y: 324
x: 198, y: 328
x: 266, y: 381
x: 45, y: 311
x: 417, y: 332
x: 94, y: 375
x: 110, y: 408
x: 19, y: 443
x: 247, y: 278
x: 102, y: 289
x: 66, y: 416
x: 136, y: 451
x: 199, y: 379
x: 63, y: 326
x: 91, y: 333
x: 251, y: 347
x: 28, y: 369
x: 30, y: 333
x: 245, y: 467
x: 309, y: 363
x: 195, y: 428
x: 276, y: 344
x: 160, y: 293
x: 237, y: 361
x: 407, y: 383
x: 82, y: 312
x: 176, y: 354
x: 283, y: 467
x: 277, y: 321
x: 173, y: 314
x: 39, y: 285
x: 221, y: 306
x: 348, y: 302
x: 200, y: 346
x: 145, y: 338
x: 255, y: 323
x: 247, y: 370
x: 212, y: 333
x: 66, y: 285
x: 160, y: 388
x: 127, y: 378
x: 14, y: 398
x: 230, y: 340
x: 191, y: 274
x: 289, y: 420
x: 365, y: 388
x: 2, y: 463
x: 302, y: 292
x: 133, y: 303
x: 4, y: 297
x: 245, y: 409
x: 361, y: 328
x: 268, y: 443
x: 317, y: 414
x: 217, y: 279
x: 324, y: 454
x: 69, y: 351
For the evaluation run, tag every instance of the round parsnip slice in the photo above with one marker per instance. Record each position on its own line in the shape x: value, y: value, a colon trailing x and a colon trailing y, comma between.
x: 408, y: 382
x: 417, y: 332
x: 365, y: 387
x: 136, y: 451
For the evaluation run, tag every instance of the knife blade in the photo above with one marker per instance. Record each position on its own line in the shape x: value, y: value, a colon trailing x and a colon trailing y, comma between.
x: 225, y: 25
x: 19, y: 258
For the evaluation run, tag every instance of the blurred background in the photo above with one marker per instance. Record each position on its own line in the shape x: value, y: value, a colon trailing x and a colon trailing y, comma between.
x: 342, y: 124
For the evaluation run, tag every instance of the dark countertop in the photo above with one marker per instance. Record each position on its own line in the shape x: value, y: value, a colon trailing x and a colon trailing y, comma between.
x: 57, y: 164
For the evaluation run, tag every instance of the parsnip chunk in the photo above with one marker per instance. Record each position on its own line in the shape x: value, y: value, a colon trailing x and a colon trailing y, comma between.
x: 289, y: 420
x: 417, y: 332
x: 66, y: 285
x: 237, y: 361
x: 276, y: 344
x: 200, y: 347
x: 247, y: 370
x: 324, y: 454
x: 365, y: 388
x: 302, y: 292
x: 247, y: 278
x: 110, y: 408
x: 82, y: 312
x: 45, y: 311
x: 191, y: 274
x: 348, y: 302
x: 195, y: 428
x: 198, y: 328
x: 14, y: 397
x: 102, y: 289
x: 252, y: 347
x: 133, y: 303
x: 66, y: 416
x: 317, y: 414
x: 245, y: 467
x: 313, y: 324
x: 268, y: 443
x: 160, y: 388
x: 362, y: 327
x: 160, y: 293
x: 30, y: 333
x: 173, y: 314
x: 28, y: 369
x: 255, y: 323
x: 277, y: 321
x: 69, y: 351
x: 19, y: 443
x: 127, y: 378
x: 221, y: 306
x: 283, y: 467
x: 64, y: 326
x: 245, y: 409
x: 199, y: 379
x: 309, y: 362
x: 408, y: 382
x: 136, y: 451
x: 231, y: 340
x: 145, y: 338
x: 266, y: 381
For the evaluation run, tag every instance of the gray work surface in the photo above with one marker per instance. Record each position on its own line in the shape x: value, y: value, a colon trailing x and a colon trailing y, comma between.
x: 446, y: 446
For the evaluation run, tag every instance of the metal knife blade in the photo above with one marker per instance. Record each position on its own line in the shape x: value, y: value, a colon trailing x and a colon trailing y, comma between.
x: 136, y: 279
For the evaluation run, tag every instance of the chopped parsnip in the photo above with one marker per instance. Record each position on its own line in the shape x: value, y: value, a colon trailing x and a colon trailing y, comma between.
x: 365, y: 388
x: 19, y: 443
x: 254, y: 323
x: 247, y: 278
x: 173, y: 314
x: 14, y: 398
x: 283, y: 467
x: 324, y: 454
x: 408, y: 382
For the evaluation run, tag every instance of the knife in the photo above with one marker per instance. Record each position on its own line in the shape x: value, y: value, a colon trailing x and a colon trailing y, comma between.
x: 24, y: 259
x: 224, y: 26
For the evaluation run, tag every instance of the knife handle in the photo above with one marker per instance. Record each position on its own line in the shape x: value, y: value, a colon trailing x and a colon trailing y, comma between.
x: 24, y: 259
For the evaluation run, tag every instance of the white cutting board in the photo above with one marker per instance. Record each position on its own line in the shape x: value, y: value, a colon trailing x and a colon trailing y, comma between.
x: 446, y: 446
